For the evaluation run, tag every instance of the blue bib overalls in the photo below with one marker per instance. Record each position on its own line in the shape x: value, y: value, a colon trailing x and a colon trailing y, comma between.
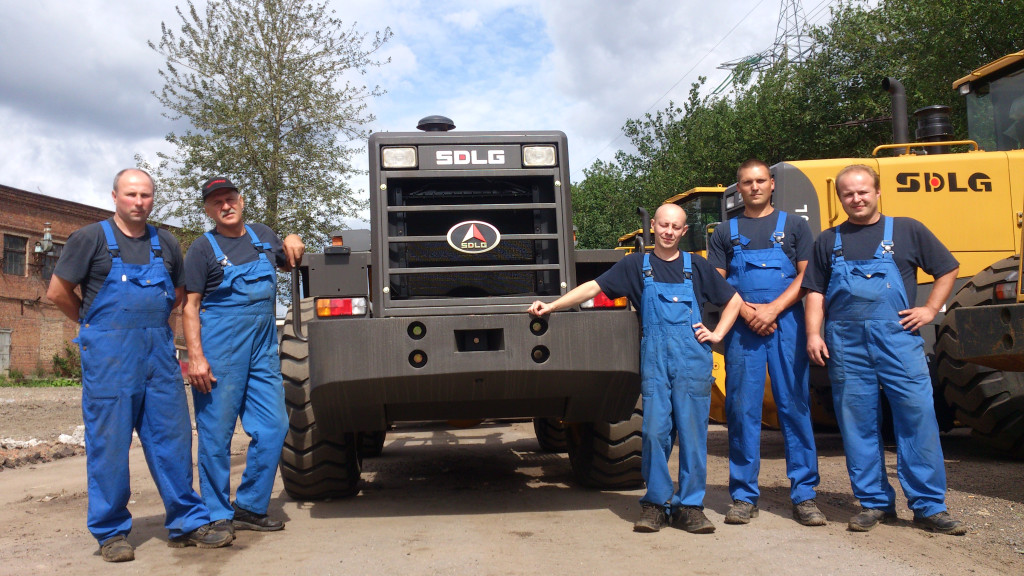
x: 760, y: 276
x: 131, y: 380
x: 869, y: 348
x: 676, y: 386
x: 239, y: 338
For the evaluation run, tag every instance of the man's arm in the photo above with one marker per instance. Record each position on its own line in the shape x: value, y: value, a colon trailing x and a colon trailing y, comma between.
x: 725, y: 322
x: 914, y: 318
x: 199, y: 374
x: 62, y: 294
x: 814, y: 315
x: 577, y: 295
x: 765, y: 315
x: 748, y: 311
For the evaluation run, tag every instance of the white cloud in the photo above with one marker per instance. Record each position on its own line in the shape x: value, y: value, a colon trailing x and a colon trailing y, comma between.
x: 77, y: 78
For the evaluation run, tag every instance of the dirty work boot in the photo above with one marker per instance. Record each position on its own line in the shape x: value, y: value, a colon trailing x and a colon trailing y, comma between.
x: 206, y: 536
x: 740, y: 512
x: 693, y: 520
x: 245, y: 520
x: 224, y: 526
x: 807, y: 513
x: 652, y: 518
x: 117, y: 549
x: 868, y: 519
x: 942, y: 523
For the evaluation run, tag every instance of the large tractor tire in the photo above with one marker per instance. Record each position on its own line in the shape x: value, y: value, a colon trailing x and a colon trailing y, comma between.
x: 990, y: 402
x: 606, y: 455
x: 551, y: 435
x: 313, y: 466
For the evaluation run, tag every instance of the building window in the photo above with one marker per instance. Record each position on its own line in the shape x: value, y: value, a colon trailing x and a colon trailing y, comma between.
x: 14, y: 254
x: 50, y: 260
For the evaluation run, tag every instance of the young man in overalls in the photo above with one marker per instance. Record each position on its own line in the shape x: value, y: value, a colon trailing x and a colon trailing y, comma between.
x: 234, y: 368
x: 669, y: 289
x: 862, y: 281
x: 130, y: 275
x: 763, y: 254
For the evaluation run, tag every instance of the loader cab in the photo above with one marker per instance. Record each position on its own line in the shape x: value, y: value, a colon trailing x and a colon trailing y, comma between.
x: 995, y: 103
x: 703, y: 207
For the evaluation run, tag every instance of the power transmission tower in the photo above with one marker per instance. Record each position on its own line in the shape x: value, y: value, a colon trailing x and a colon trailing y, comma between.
x: 792, y: 44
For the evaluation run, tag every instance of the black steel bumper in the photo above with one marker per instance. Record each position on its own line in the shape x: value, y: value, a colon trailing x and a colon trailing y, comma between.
x: 365, y: 372
x: 991, y: 336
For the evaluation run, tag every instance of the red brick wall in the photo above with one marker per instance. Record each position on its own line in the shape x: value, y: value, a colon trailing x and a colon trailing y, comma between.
x: 38, y: 329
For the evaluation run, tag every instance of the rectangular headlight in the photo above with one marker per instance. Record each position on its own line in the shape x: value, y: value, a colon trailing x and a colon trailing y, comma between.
x: 398, y: 157
x: 534, y: 156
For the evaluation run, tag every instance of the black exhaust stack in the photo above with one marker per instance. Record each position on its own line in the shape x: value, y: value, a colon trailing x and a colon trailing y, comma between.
x: 933, y: 125
x: 898, y: 97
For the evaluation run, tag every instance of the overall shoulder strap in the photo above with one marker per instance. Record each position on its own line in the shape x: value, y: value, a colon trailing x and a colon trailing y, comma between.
x: 837, y: 247
x: 738, y: 242
x: 108, y: 232
x: 884, y: 249
x: 155, y: 252
x: 647, y: 272
x: 780, y: 230
x: 218, y: 254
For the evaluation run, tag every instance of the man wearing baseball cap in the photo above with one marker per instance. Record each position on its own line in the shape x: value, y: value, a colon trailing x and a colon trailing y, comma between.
x: 234, y: 368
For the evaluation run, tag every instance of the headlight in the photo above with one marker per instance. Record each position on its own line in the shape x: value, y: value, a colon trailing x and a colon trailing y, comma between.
x: 534, y: 156
x: 398, y: 157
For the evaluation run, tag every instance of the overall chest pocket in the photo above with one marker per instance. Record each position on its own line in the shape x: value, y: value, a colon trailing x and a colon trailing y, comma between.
x: 764, y: 270
x: 675, y: 307
x: 871, y: 283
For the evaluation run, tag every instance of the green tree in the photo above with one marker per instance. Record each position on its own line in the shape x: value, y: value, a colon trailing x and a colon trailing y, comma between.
x: 270, y: 93
x: 831, y: 106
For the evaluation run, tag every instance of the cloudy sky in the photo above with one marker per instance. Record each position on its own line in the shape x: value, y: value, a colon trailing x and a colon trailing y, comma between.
x: 76, y: 77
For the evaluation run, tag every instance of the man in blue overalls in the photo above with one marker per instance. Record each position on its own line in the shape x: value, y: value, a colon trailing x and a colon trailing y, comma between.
x: 763, y: 254
x: 862, y: 281
x: 234, y: 367
x: 130, y: 275
x: 669, y: 289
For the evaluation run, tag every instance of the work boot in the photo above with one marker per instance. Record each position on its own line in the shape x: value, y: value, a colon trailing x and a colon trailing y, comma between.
x: 942, y: 523
x: 206, y: 536
x: 245, y: 520
x: 807, y: 513
x: 117, y: 549
x: 868, y: 519
x: 652, y: 518
x: 693, y: 520
x: 224, y: 526
x: 740, y: 512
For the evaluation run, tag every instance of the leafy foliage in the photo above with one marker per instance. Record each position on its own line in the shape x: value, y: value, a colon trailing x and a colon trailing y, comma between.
x: 270, y: 94
x: 831, y: 106
x: 68, y: 364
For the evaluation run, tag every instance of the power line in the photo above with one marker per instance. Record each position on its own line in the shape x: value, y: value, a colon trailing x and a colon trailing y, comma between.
x: 687, y: 73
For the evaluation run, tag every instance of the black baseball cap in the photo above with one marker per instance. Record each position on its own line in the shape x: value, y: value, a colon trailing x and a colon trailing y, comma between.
x: 217, y: 183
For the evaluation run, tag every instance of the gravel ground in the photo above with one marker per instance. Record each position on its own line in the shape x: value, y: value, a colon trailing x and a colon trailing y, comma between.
x: 985, y: 491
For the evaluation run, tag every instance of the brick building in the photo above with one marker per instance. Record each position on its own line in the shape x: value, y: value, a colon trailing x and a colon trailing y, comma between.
x: 32, y: 329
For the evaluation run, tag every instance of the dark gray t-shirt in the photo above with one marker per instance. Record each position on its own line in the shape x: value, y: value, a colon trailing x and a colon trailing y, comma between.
x: 202, y: 271
x: 914, y: 246
x: 85, y: 260
x: 625, y: 278
x: 797, y: 242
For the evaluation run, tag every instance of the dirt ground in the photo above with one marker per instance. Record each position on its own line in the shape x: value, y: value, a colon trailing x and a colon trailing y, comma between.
x: 485, y: 500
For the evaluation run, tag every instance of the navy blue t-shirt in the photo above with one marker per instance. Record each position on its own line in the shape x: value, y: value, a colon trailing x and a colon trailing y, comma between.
x: 85, y: 260
x: 625, y: 278
x: 202, y: 271
x: 797, y: 243
x: 914, y: 246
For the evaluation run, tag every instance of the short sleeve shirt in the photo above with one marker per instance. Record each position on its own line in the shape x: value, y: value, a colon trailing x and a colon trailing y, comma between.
x: 625, y: 278
x: 85, y: 260
x: 914, y: 246
x: 797, y: 241
x: 203, y: 274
